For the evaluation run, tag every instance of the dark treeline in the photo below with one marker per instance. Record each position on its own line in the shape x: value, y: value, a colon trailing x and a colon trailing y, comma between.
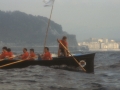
x: 17, y: 27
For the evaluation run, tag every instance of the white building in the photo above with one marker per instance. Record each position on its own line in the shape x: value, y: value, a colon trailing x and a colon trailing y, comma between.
x: 100, y: 44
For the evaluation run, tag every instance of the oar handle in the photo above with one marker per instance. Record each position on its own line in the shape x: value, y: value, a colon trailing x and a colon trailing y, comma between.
x: 72, y: 56
x: 8, y: 58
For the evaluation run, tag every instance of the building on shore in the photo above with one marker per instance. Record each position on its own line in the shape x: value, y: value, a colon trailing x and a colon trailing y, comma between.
x: 94, y: 44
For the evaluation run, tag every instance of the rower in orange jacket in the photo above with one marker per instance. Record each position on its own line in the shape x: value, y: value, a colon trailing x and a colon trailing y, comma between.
x: 47, y: 54
x: 61, y: 50
x: 4, y: 53
x: 32, y: 55
x: 10, y: 54
x: 25, y: 54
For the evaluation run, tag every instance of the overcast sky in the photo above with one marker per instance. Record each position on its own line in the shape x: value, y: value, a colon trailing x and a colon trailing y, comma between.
x: 84, y: 18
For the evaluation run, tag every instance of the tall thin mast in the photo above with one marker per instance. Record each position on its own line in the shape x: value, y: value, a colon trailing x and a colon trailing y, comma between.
x: 48, y: 24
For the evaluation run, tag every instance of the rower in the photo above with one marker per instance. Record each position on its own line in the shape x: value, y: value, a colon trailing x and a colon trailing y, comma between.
x: 61, y: 50
x: 32, y: 55
x: 25, y: 54
x: 10, y: 54
x: 46, y: 55
x: 4, y: 53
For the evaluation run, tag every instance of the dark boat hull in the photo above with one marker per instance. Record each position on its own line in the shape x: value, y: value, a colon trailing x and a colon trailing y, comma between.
x: 69, y: 61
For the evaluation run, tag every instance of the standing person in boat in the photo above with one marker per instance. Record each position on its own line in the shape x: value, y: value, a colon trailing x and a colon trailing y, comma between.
x: 32, y: 55
x: 61, y: 50
x: 25, y: 54
x: 10, y: 54
x: 46, y: 55
x: 4, y: 53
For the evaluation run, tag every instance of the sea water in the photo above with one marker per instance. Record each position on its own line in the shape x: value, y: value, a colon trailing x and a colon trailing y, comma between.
x: 106, y: 76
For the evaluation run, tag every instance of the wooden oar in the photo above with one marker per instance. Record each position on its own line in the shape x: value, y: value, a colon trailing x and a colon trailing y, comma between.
x: 12, y: 63
x: 72, y: 56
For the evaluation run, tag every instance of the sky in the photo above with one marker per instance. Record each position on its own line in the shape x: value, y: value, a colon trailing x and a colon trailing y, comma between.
x: 83, y: 18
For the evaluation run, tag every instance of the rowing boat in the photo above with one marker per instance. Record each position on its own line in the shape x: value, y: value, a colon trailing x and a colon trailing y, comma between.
x: 88, y: 60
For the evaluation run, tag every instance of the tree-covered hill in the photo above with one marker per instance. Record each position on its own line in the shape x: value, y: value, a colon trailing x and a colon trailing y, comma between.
x: 19, y: 27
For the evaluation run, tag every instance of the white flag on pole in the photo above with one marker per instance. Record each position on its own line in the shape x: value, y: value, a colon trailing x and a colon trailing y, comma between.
x: 48, y: 3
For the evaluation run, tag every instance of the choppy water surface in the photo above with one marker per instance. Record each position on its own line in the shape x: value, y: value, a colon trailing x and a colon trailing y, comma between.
x: 106, y: 77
